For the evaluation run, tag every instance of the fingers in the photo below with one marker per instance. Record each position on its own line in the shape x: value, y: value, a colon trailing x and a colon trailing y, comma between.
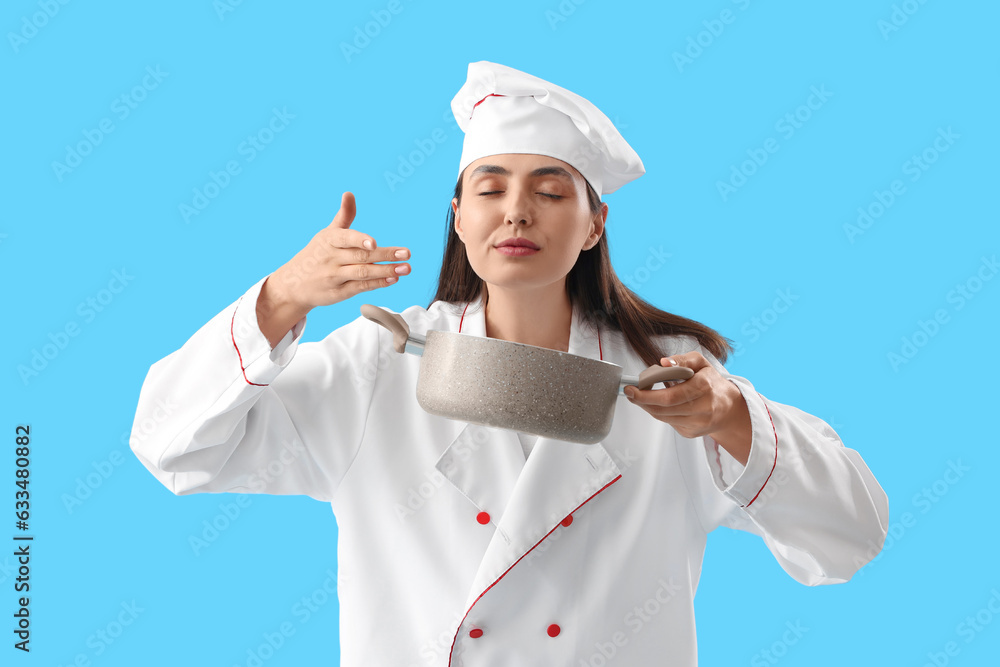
x: 671, y: 396
x: 366, y: 275
x: 348, y: 209
x: 353, y: 255
x: 358, y: 262
x: 368, y: 285
x: 362, y: 272
x: 338, y: 235
x: 693, y: 360
x: 359, y: 285
x: 675, y: 392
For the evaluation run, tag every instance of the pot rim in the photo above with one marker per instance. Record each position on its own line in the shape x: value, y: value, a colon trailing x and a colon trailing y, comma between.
x: 499, y: 342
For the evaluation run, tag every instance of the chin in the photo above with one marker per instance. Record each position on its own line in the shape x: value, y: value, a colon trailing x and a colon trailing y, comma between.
x: 519, y: 278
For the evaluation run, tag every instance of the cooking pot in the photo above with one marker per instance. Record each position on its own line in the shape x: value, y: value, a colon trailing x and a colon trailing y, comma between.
x: 515, y: 386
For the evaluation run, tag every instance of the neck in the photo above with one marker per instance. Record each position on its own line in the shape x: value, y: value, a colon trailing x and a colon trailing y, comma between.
x: 542, y: 317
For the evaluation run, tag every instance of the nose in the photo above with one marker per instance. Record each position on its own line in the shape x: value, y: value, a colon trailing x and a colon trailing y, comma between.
x: 519, y: 207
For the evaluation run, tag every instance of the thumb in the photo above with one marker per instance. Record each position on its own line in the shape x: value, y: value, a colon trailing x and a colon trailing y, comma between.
x: 348, y: 209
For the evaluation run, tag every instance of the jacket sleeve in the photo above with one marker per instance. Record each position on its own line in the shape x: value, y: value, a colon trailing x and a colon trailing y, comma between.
x: 814, y: 501
x: 226, y: 413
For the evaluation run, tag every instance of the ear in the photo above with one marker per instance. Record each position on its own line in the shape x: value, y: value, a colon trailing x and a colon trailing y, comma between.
x: 458, y: 219
x: 597, y: 227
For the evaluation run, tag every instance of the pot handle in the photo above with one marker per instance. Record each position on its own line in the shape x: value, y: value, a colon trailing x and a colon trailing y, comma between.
x: 655, y: 374
x: 391, y: 321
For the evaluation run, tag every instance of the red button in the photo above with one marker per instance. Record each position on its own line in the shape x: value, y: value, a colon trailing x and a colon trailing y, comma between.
x: 483, y: 518
x: 476, y: 633
x: 553, y: 630
x: 568, y: 520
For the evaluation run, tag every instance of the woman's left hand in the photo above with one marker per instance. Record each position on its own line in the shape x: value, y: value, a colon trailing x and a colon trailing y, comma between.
x: 704, y: 404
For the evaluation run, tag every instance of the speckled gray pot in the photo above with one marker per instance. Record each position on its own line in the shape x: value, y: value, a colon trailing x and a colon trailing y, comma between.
x: 515, y: 386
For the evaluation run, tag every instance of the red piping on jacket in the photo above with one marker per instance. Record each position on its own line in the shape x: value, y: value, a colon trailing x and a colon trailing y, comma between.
x: 463, y: 319
x: 452, y: 649
x: 233, y: 335
x: 775, y: 452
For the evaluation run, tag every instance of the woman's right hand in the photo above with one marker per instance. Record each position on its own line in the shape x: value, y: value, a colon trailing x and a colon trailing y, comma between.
x: 336, y: 264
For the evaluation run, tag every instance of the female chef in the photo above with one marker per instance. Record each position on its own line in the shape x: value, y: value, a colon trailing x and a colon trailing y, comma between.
x: 465, y: 544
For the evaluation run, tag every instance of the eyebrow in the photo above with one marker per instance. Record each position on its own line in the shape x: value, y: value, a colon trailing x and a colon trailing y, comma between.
x: 541, y: 171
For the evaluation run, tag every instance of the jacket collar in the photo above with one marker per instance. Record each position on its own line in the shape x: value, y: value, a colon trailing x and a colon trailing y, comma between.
x: 584, y: 339
x: 525, y: 500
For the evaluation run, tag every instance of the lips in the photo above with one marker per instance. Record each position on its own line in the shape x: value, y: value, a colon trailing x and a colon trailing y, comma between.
x: 517, y: 243
x: 516, y: 251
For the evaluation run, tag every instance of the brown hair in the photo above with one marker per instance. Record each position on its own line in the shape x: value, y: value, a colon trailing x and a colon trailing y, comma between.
x: 593, y: 287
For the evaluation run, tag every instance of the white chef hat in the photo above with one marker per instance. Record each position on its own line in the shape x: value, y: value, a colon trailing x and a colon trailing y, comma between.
x: 503, y: 110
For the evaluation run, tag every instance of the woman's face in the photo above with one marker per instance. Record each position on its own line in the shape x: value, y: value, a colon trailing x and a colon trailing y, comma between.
x: 528, y: 197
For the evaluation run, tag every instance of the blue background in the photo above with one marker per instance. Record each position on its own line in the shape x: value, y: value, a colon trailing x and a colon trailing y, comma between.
x: 855, y: 298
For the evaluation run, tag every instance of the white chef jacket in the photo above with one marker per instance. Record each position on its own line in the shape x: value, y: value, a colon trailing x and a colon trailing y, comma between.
x: 455, y: 550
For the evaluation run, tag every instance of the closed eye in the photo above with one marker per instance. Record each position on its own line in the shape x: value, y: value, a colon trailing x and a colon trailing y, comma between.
x: 544, y: 194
